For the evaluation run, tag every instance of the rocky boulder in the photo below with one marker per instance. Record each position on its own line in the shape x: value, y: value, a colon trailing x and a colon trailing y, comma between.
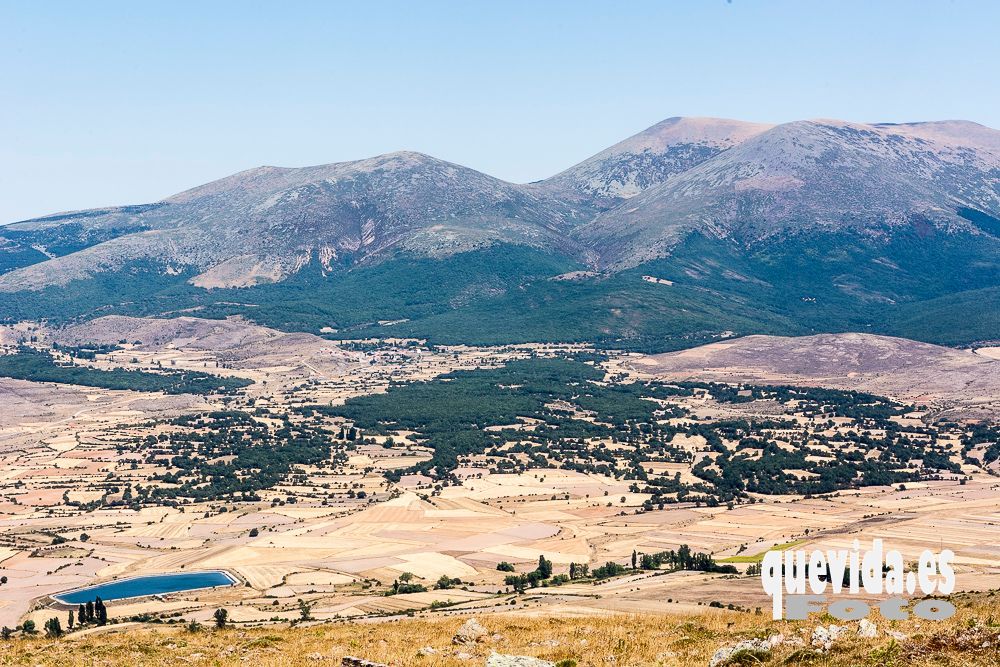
x: 501, y: 660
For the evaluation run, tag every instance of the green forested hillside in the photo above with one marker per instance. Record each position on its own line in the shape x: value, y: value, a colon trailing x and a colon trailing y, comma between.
x: 938, y: 288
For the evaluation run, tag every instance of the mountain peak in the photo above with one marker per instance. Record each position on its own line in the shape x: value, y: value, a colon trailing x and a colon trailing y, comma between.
x: 817, y: 175
x: 270, y: 178
x: 961, y: 133
x: 721, y: 132
x: 630, y: 203
x: 650, y: 157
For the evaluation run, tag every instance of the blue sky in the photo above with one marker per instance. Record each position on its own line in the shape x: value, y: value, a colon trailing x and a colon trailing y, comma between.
x: 107, y: 103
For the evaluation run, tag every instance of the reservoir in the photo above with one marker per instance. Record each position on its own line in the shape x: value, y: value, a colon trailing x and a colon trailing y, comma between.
x: 156, y: 584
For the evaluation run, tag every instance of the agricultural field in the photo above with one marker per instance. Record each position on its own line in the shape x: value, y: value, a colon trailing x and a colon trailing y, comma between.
x: 375, y: 480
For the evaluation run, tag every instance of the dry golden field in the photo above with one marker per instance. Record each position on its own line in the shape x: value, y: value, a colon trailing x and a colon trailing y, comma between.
x: 971, y: 637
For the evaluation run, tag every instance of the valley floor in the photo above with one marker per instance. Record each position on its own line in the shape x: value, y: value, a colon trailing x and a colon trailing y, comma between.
x: 350, y: 533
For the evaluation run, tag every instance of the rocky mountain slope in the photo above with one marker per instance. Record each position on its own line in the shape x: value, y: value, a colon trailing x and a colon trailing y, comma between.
x: 265, y: 224
x: 690, y: 229
x: 813, y: 177
x: 649, y: 158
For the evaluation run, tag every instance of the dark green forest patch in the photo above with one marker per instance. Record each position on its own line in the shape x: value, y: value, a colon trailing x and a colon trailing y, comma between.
x: 40, y: 366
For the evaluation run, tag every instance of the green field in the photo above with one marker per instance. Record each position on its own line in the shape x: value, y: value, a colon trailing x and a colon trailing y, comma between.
x: 756, y: 558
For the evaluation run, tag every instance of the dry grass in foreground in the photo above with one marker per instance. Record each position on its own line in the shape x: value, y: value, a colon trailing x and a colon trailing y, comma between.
x: 971, y: 637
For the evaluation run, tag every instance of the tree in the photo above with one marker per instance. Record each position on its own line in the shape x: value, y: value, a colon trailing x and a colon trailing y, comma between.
x: 3, y: 580
x: 304, y: 611
x: 518, y: 581
x: 90, y: 611
x: 254, y: 532
x: 5, y: 633
x: 504, y: 566
x: 635, y: 559
x: 53, y: 628
x: 608, y: 570
x: 406, y: 577
x: 101, y: 612
x: 544, y: 567
x: 70, y: 620
x: 221, y: 617
x: 28, y: 627
x: 81, y: 613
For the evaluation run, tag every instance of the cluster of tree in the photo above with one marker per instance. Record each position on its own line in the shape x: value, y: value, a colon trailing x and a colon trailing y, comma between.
x: 405, y: 584
x: 27, y: 628
x: 229, y: 455
x: 85, y: 352
x: 811, y: 401
x: 986, y: 436
x: 350, y: 434
x: 450, y: 414
x: 734, y: 474
x: 682, y: 559
x: 53, y: 628
x: 94, y: 612
x: 541, y: 574
x: 29, y: 363
x: 609, y: 570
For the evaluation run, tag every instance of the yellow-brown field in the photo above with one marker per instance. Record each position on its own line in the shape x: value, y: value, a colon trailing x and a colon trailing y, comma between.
x: 616, y: 640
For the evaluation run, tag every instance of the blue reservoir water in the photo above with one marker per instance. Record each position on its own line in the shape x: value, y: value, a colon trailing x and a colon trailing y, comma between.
x: 151, y: 585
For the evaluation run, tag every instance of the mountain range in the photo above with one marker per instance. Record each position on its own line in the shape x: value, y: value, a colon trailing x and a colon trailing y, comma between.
x: 689, y: 231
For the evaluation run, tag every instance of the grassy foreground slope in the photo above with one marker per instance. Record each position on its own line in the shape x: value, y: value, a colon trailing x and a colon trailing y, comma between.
x: 971, y: 637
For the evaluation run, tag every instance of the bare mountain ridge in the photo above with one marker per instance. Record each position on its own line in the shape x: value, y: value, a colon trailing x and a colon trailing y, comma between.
x: 670, y: 147
x: 264, y: 224
x: 811, y: 175
x: 626, y: 205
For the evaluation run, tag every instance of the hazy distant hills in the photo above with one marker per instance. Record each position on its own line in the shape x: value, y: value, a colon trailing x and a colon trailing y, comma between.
x: 692, y: 229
